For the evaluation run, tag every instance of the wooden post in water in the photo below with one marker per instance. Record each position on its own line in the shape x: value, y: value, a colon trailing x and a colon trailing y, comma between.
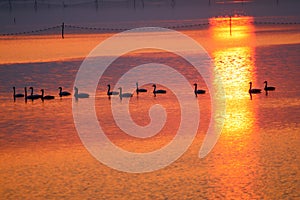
x: 143, y: 3
x: 63, y: 30
x: 35, y: 6
x: 230, y: 24
x: 10, y: 5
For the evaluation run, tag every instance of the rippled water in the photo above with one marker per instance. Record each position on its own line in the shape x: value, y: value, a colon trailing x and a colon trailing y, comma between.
x: 256, y: 156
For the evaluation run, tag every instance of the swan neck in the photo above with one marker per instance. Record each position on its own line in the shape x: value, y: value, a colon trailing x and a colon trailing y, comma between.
x: 76, y: 92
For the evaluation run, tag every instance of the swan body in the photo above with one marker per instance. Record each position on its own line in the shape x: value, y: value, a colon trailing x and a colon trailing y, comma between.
x: 109, y: 93
x: 47, y: 97
x: 17, y: 95
x: 268, y: 88
x: 138, y: 90
x: 124, y: 95
x: 196, y: 91
x: 158, y: 91
x: 254, y: 90
x: 63, y: 93
x: 33, y: 96
x: 80, y: 95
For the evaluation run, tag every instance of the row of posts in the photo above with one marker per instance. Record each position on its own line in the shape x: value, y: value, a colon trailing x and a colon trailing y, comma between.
x: 63, y: 28
x: 173, y: 2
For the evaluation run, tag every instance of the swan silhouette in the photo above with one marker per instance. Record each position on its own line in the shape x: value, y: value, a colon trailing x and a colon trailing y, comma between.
x: 124, y: 95
x: 138, y: 90
x: 80, y: 95
x: 253, y: 90
x: 198, y: 91
x: 268, y: 88
x: 33, y: 96
x: 16, y: 95
x: 158, y: 91
x: 63, y: 93
x: 47, y: 97
x: 109, y: 93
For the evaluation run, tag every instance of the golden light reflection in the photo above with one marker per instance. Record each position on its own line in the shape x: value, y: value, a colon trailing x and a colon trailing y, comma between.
x: 234, y: 60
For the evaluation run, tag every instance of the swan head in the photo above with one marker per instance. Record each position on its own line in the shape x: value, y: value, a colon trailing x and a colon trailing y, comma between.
x: 42, y: 90
x: 75, y: 88
x: 265, y: 81
x: 108, y: 85
x: 250, y: 83
x: 195, y: 84
x: 153, y: 85
x: 60, y: 88
x: 14, y: 87
x: 31, y: 88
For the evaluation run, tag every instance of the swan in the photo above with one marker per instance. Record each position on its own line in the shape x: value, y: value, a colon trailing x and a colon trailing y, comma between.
x: 111, y: 92
x: 17, y: 95
x: 63, y: 93
x: 124, y: 95
x: 254, y: 90
x: 198, y: 91
x: 268, y: 88
x: 138, y: 90
x: 80, y: 95
x: 158, y: 91
x: 47, y: 97
x: 33, y: 96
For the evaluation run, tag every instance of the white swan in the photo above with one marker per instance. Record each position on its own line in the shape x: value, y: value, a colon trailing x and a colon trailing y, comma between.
x: 109, y: 93
x: 196, y: 91
x: 253, y: 90
x: 63, y: 93
x: 47, y: 97
x: 138, y: 90
x: 80, y: 95
x: 124, y: 95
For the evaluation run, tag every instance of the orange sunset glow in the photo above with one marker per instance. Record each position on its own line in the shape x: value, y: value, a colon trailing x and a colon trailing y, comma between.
x: 149, y: 99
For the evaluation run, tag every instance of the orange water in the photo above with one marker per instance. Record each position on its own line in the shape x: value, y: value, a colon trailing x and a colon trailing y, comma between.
x: 256, y: 157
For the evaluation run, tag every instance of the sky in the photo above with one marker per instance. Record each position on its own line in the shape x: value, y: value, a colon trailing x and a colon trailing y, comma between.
x: 25, y: 15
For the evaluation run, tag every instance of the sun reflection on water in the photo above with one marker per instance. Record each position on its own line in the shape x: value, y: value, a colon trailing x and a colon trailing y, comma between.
x: 234, y: 60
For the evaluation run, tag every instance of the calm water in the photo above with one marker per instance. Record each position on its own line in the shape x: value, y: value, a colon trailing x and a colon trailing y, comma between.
x: 256, y: 157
